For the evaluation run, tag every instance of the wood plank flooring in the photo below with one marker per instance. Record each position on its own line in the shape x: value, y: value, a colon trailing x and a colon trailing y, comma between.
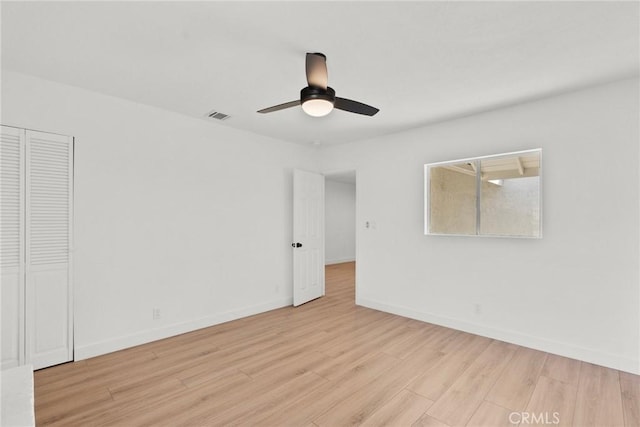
x: 330, y: 363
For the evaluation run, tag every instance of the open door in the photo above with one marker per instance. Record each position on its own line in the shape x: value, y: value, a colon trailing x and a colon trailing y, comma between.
x: 308, y: 236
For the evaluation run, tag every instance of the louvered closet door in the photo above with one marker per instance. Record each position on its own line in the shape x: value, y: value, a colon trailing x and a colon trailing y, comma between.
x: 49, y: 178
x: 12, y: 245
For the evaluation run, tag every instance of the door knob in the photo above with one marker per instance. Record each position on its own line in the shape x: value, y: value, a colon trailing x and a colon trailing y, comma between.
x: 296, y: 245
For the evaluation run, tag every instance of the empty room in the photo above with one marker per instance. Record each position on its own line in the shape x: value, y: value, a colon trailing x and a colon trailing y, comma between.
x: 307, y: 213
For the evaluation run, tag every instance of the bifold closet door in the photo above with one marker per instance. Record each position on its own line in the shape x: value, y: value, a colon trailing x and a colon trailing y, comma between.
x: 12, y: 192
x: 49, y: 201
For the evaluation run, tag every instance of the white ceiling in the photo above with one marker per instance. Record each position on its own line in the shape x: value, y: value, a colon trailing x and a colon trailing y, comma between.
x: 419, y: 62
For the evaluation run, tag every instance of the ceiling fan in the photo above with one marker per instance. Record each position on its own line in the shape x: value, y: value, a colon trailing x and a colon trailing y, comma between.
x: 318, y: 99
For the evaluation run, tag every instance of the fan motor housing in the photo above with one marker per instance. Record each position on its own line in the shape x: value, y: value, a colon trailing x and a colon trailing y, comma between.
x: 311, y: 92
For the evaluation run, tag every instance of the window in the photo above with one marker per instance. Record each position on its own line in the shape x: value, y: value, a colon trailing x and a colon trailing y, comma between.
x: 497, y: 195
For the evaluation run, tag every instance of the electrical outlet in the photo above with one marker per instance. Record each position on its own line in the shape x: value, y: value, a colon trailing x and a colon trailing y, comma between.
x: 156, y: 313
x: 478, y: 309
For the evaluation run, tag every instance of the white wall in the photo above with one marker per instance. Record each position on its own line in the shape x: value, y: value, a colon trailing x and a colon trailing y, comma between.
x: 574, y: 292
x: 340, y: 221
x: 172, y: 212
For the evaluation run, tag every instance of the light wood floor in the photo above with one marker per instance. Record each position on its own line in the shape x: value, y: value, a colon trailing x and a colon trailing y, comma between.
x: 332, y: 363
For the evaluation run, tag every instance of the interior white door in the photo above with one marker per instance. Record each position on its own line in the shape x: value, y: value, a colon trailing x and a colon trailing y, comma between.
x: 308, y: 236
x: 49, y: 201
x: 12, y: 245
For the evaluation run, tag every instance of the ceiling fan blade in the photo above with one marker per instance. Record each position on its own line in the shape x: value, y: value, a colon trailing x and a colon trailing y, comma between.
x: 355, y: 107
x: 280, y: 107
x: 316, y: 66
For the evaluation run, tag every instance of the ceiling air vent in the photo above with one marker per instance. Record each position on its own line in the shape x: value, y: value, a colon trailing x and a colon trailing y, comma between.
x: 217, y: 115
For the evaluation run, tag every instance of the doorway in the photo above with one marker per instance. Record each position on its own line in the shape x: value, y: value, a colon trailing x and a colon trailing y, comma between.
x: 340, y: 218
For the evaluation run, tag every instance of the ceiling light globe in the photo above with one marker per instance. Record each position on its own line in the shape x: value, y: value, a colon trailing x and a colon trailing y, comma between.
x: 317, y: 107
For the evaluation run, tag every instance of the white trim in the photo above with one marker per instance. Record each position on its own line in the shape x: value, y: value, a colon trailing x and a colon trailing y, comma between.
x: 22, y: 296
x: 597, y: 357
x: 488, y: 156
x: 71, y: 287
x: 107, y: 346
x: 339, y: 260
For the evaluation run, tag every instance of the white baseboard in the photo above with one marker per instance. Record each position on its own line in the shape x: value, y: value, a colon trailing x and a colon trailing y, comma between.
x: 107, y: 346
x: 597, y: 357
x: 339, y: 261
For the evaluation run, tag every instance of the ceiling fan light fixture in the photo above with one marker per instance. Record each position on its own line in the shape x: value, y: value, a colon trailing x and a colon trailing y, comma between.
x: 317, y: 107
x: 317, y: 101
